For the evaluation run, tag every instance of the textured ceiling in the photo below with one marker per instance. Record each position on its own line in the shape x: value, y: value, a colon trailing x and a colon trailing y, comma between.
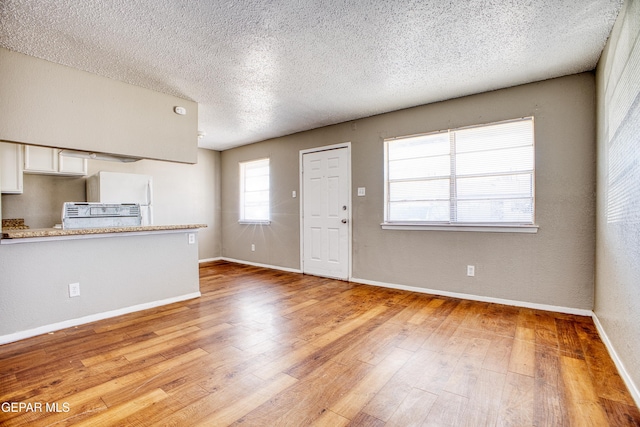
x: 267, y: 68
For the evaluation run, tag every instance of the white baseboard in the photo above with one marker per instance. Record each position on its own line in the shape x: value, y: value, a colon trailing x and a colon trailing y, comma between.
x: 16, y: 336
x: 209, y: 260
x: 633, y: 388
x: 256, y: 264
x: 545, y: 307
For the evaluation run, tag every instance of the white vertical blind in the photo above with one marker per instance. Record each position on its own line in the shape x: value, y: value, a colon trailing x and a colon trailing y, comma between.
x: 254, y: 190
x: 476, y: 175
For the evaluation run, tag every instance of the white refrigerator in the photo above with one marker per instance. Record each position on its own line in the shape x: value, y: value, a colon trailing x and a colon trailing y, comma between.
x: 118, y: 187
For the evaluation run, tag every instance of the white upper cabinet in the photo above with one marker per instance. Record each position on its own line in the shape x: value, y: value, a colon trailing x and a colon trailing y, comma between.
x: 49, y: 161
x: 11, y: 168
x: 71, y: 165
x: 40, y: 160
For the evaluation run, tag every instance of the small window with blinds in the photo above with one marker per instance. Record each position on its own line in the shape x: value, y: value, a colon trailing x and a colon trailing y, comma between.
x: 479, y: 175
x: 254, y: 191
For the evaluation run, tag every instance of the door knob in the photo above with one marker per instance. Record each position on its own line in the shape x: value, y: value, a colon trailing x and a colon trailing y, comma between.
x: 344, y: 221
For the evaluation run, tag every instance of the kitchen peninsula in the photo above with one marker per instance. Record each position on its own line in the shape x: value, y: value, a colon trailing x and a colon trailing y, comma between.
x: 117, y: 271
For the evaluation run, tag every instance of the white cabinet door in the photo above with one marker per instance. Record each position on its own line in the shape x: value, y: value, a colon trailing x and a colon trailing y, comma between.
x: 49, y: 161
x: 40, y: 159
x: 71, y: 165
x: 11, y: 168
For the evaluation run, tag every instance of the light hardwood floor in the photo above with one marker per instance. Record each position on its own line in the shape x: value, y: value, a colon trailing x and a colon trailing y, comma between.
x: 269, y: 348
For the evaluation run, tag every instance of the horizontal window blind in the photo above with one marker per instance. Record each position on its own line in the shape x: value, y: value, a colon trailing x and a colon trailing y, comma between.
x: 475, y: 175
x: 254, y: 190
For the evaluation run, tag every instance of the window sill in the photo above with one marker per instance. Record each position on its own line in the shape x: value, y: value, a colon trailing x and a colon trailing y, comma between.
x: 254, y: 222
x: 493, y: 228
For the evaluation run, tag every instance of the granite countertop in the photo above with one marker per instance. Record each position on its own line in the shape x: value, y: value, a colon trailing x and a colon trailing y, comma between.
x: 57, y: 232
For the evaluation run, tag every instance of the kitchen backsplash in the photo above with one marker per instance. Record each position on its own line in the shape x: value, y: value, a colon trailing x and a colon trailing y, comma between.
x: 40, y: 206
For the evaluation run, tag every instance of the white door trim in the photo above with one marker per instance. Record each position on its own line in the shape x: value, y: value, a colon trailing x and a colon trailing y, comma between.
x: 346, y: 145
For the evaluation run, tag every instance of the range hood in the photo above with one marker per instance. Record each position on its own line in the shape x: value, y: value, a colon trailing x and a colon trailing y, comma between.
x: 98, y: 156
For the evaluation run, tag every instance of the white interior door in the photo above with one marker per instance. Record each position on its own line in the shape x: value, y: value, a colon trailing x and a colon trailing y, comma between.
x: 326, y: 213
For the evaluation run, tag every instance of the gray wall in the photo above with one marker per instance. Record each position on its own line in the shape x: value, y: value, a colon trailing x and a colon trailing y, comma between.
x: 40, y: 204
x: 184, y: 194
x: 553, y: 267
x: 617, y: 299
x: 48, y: 104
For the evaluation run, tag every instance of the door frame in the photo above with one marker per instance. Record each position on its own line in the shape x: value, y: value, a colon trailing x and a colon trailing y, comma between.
x: 346, y: 145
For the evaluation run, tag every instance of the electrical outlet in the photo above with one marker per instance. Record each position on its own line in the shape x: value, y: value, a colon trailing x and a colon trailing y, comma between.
x: 74, y: 290
x: 471, y: 270
x: 253, y: 247
x: 192, y: 238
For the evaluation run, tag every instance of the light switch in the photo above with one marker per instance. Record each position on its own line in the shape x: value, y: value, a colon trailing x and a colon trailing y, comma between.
x: 361, y: 191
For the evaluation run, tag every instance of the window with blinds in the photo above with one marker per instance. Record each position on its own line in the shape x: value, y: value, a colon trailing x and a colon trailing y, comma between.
x: 479, y: 175
x: 254, y: 191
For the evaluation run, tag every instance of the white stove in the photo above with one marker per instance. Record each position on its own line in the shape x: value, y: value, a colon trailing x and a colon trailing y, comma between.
x: 100, y: 215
